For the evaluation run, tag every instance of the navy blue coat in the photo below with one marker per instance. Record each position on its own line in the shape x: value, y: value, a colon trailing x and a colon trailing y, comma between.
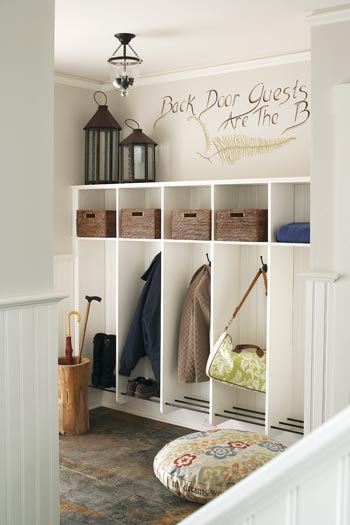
x: 144, y: 332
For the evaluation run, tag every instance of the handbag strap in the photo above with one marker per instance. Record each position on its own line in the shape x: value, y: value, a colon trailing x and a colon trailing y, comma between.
x: 240, y: 347
x: 262, y: 271
x: 259, y: 351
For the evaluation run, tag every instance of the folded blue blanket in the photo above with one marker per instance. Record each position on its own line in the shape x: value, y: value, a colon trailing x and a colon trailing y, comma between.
x: 294, y: 232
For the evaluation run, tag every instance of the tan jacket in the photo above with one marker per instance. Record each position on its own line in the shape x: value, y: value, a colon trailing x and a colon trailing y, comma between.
x: 194, y: 329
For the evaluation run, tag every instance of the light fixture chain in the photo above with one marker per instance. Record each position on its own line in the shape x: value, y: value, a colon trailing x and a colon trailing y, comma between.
x: 116, y: 51
x: 133, y: 50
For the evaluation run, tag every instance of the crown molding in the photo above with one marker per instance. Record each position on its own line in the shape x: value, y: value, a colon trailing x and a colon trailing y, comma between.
x: 329, y: 16
x: 85, y: 83
x: 234, y: 67
x: 302, y: 56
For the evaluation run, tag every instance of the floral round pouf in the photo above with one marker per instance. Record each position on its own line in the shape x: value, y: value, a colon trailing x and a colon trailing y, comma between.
x: 202, y: 465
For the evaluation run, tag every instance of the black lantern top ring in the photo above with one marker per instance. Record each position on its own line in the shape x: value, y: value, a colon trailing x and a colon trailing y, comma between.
x: 132, y: 120
x: 102, y: 93
x: 136, y: 137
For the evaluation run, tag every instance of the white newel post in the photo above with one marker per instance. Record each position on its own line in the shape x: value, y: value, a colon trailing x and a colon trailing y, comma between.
x: 327, y: 338
x: 341, y: 107
x: 319, y: 349
x: 29, y: 485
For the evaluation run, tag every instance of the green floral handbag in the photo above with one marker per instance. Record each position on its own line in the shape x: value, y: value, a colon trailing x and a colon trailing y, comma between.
x: 245, y: 365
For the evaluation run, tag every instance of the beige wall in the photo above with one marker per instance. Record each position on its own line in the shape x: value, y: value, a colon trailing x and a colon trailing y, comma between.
x: 73, y: 109
x: 180, y: 140
x: 26, y: 57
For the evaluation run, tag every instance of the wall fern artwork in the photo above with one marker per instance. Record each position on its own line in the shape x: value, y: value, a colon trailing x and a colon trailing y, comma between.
x: 231, y: 148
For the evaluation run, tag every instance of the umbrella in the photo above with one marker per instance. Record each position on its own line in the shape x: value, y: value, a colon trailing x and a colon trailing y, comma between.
x: 69, y: 349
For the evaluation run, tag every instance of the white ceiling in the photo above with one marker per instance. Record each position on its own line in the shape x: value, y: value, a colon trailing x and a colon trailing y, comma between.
x: 179, y: 34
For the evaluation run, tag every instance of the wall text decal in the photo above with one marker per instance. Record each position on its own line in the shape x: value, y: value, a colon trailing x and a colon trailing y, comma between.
x: 261, y: 106
x: 280, y: 108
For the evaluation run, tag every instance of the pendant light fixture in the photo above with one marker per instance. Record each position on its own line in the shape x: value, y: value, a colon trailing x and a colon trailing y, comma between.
x: 125, y: 66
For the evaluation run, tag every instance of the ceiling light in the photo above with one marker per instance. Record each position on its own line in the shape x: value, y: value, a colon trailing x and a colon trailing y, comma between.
x: 124, y: 68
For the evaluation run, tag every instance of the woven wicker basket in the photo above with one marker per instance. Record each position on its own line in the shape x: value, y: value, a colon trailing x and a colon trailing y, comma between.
x: 241, y: 224
x: 140, y: 223
x: 191, y: 225
x: 96, y: 223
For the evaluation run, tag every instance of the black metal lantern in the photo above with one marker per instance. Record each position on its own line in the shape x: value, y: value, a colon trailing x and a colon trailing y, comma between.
x: 102, y: 146
x: 137, y: 157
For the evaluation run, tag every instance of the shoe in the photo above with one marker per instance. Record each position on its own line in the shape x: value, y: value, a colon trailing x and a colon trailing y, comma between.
x: 132, y: 385
x: 98, y: 342
x: 146, y: 389
x: 108, y: 362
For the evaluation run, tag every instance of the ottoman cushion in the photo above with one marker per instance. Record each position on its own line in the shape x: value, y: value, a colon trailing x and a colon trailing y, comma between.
x: 202, y: 465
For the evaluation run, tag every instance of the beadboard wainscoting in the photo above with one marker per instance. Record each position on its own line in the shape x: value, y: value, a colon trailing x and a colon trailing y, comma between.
x: 319, y: 349
x: 307, y: 484
x: 29, y: 410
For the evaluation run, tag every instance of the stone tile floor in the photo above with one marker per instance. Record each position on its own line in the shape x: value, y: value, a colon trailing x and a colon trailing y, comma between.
x: 106, y: 475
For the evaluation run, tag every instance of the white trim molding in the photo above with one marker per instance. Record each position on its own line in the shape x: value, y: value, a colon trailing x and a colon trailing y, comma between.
x: 319, y: 348
x: 30, y: 300
x: 235, y: 67
x: 291, y: 58
x: 85, y: 83
x: 341, y: 242
x: 29, y: 410
x: 329, y: 16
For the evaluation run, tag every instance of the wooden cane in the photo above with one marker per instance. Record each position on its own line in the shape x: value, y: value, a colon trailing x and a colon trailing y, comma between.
x: 89, y: 300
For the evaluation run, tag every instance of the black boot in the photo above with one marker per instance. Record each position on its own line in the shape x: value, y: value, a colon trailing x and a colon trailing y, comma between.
x: 99, y: 341
x: 108, y: 362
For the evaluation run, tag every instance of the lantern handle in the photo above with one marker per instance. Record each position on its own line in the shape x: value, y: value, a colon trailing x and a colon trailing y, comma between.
x: 132, y: 120
x: 102, y: 93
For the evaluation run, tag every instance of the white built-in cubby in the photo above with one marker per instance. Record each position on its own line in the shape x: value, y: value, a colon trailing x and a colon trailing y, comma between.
x: 184, y: 198
x: 112, y: 268
x: 134, y: 257
x: 180, y: 261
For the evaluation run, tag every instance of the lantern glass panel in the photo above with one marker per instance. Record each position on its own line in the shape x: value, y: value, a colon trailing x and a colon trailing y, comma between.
x: 114, y: 154
x: 150, y: 162
x: 92, y: 157
x: 108, y: 156
x: 127, y: 164
x: 139, y: 162
x: 124, y: 76
x: 103, y: 138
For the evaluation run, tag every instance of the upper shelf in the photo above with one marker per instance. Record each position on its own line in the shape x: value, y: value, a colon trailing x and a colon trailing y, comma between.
x: 185, y: 241
x: 286, y: 199
x: 272, y: 180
